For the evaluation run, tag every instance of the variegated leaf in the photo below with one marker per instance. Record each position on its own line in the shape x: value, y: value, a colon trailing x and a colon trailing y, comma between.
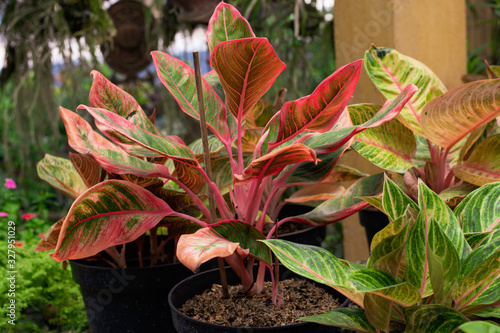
x: 348, y: 318
x: 260, y: 114
x: 391, y: 71
x: 221, y: 240
x: 390, y: 146
x: 460, y: 111
x: 345, y: 204
x: 382, y: 284
x: 180, y: 80
x: 105, y: 95
x: 321, y: 110
x: 479, y: 326
x: 433, y: 207
x: 444, y: 264
x: 480, y: 210
x: 316, y: 264
x: 247, y: 68
x: 111, y: 213
x: 226, y: 24
x: 378, y: 311
x: 478, y: 281
x: 61, y: 174
x: 394, y: 201
x: 189, y: 176
x: 214, y: 145
x: 274, y: 162
x: 432, y: 318
x: 110, y: 157
x: 171, y: 147
x: 482, y: 166
x: 417, y: 272
x: 455, y: 194
x: 49, y: 239
x: 87, y: 167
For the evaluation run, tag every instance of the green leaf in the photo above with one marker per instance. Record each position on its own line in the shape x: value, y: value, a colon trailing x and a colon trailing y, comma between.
x: 315, y: 263
x: 349, y: 318
x: 455, y: 194
x: 478, y: 281
x: 490, y: 312
x: 417, y: 265
x: 391, y: 71
x: 382, y: 284
x: 480, y: 211
x: 432, y: 318
x: 482, y: 166
x: 226, y: 24
x: 444, y: 264
x: 480, y: 326
x: 61, y: 174
x: 390, y: 146
x: 394, y: 201
x: 433, y: 207
x: 111, y: 213
x: 378, y: 311
x: 460, y: 111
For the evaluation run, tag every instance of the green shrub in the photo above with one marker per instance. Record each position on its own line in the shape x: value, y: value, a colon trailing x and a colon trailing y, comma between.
x: 46, y: 297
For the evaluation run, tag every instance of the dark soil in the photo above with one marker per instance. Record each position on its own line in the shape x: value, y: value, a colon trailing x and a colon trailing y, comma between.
x: 300, y: 298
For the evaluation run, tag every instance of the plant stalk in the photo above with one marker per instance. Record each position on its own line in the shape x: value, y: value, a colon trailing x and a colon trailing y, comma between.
x: 208, y: 168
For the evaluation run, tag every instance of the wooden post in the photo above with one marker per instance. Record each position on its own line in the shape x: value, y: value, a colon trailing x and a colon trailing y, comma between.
x: 433, y: 32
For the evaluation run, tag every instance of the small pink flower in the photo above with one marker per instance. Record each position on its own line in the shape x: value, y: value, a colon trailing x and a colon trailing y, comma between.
x: 41, y: 235
x: 18, y: 244
x: 28, y: 216
x: 4, y: 214
x: 10, y: 183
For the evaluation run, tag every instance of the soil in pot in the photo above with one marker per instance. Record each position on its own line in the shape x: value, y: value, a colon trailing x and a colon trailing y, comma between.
x: 300, y: 298
x: 204, y: 287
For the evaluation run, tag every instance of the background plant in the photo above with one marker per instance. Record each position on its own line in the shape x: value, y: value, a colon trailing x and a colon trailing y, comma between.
x: 431, y: 269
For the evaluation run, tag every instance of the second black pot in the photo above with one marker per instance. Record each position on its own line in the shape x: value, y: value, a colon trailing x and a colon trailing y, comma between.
x: 198, y: 283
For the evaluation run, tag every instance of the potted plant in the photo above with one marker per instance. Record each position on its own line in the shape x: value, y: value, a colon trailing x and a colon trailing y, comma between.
x: 430, y: 270
x: 449, y: 139
x: 150, y: 180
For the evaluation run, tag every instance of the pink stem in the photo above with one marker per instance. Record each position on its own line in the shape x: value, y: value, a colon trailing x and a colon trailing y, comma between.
x: 441, y: 172
x: 236, y: 263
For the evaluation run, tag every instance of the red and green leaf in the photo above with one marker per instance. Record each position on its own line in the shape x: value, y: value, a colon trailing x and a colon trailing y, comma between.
x: 61, y: 174
x: 390, y: 146
x: 171, y: 147
x: 247, y: 68
x: 180, y: 80
x: 482, y: 165
x: 226, y: 24
x: 221, y: 240
x: 460, y: 111
x: 87, y: 167
x: 49, y: 239
x: 321, y: 110
x: 345, y: 204
x: 392, y: 71
x: 274, y: 162
x: 110, y: 157
x: 111, y: 213
x: 432, y: 318
x: 106, y: 95
x: 317, y: 264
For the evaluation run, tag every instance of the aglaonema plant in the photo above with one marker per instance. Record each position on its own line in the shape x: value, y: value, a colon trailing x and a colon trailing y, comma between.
x: 430, y: 270
x: 254, y: 156
x: 449, y: 139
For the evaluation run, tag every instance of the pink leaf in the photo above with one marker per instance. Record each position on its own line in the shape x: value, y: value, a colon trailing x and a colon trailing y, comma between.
x: 226, y: 24
x: 247, y: 68
x: 321, y: 110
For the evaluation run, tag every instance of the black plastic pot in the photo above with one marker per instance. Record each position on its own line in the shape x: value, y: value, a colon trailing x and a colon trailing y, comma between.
x: 196, y: 284
x: 373, y: 221
x: 132, y: 299
x: 128, y: 299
